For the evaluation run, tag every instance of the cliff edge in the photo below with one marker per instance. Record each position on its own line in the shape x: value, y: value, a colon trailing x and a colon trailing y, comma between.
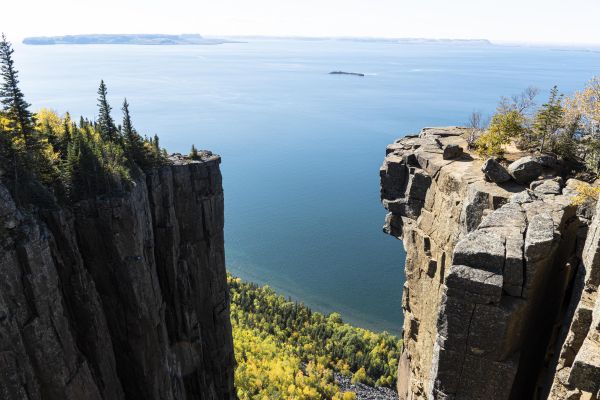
x: 121, y: 296
x: 500, y: 299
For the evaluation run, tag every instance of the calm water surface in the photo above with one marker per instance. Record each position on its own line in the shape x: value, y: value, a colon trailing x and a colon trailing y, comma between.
x: 301, y: 149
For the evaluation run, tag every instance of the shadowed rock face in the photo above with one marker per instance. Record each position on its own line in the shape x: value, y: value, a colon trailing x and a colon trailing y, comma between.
x: 489, y: 275
x: 120, y: 297
x: 576, y: 366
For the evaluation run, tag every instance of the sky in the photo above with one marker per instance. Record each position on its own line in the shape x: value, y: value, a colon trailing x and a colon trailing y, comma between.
x: 528, y: 21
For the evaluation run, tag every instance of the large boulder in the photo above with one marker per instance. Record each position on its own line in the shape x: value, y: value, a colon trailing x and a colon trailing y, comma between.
x: 452, y: 151
x: 494, y: 171
x: 547, y: 160
x: 547, y: 186
x: 525, y: 170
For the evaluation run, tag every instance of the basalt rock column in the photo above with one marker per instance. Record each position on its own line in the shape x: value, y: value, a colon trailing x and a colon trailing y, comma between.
x: 489, y: 268
x: 121, y: 296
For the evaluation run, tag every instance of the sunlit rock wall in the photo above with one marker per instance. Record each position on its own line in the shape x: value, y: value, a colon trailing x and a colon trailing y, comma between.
x: 489, y: 271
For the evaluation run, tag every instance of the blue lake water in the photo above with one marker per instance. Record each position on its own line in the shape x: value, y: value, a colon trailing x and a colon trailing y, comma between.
x: 301, y: 149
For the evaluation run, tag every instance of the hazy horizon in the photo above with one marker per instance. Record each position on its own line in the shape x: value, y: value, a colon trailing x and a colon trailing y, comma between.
x: 304, y: 37
x: 511, y: 21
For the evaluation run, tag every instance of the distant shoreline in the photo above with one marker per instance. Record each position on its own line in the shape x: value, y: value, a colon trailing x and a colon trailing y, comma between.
x: 126, y: 39
x: 196, y: 39
x: 365, y: 39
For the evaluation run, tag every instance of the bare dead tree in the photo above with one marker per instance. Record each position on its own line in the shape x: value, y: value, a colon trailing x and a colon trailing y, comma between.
x: 476, y: 125
x: 522, y: 102
x: 475, y: 120
x: 526, y: 100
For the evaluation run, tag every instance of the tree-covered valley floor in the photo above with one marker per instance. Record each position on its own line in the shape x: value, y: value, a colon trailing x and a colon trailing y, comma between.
x: 284, y: 350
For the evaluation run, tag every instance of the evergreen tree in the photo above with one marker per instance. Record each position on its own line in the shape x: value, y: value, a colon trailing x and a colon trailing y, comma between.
x: 194, y: 153
x: 66, y: 139
x: 20, y: 153
x: 81, y: 168
x: 15, y: 108
x: 156, y: 150
x: 127, y: 127
x: 6, y: 155
x: 549, y: 120
x: 105, y: 123
x: 134, y: 144
x: 156, y: 144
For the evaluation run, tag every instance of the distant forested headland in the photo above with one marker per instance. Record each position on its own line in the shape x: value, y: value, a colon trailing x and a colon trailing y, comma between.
x: 139, y: 39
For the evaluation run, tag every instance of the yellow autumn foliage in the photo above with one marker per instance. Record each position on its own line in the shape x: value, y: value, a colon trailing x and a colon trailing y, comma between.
x: 268, y: 370
x: 284, y: 350
x: 49, y: 119
x: 586, y: 194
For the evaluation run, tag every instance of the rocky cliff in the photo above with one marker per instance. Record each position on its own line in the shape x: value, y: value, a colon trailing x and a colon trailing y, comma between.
x: 121, y: 296
x: 500, y: 299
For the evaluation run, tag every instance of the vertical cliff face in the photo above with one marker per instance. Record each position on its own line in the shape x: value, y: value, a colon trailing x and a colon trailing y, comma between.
x: 576, y: 365
x: 118, y: 297
x: 490, y: 272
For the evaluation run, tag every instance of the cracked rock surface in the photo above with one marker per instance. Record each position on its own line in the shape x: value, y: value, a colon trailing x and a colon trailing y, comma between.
x: 118, y: 297
x: 489, y: 269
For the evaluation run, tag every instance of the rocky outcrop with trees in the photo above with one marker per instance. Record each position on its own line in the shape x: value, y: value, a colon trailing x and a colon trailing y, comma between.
x: 500, y: 288
x: 112, y: 267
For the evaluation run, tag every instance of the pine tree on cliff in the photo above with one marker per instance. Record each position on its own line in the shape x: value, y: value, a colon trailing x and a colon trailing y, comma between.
x: 19, y: 150
x: 134, y: 144
x: 106, y: 125
x: 127, y: 127
x: 549, y: 120
x: 14, y: 106
x: 194, y: 153
x: 156, y: 149
x: 63, y: 144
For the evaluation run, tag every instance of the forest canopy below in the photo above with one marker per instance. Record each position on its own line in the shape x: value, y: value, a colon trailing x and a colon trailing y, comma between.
x: 284, y: 350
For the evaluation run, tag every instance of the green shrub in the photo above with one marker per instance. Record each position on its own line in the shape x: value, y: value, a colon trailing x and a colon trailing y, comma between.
x: 503, y: 128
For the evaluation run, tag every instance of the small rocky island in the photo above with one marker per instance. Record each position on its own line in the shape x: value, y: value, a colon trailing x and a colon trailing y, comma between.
x: 138, y: 39
x: 346, y: 73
